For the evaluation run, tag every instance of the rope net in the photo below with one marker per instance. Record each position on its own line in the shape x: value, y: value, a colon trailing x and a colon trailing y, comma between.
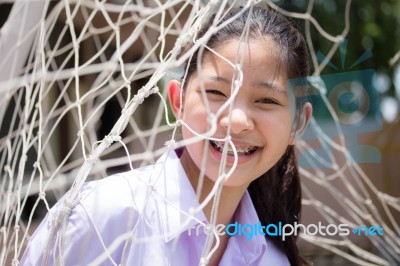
x: 83, y: 96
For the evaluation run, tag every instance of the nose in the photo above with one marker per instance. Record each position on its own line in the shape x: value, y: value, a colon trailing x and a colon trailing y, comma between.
x: 240, y: 121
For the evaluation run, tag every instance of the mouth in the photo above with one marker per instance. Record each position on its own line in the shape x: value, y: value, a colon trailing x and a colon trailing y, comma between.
x: 241, y: 150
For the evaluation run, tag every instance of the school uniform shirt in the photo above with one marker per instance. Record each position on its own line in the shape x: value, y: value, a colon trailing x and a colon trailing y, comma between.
x: 142, y: 217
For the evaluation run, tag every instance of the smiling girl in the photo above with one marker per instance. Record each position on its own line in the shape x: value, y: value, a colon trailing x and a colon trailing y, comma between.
x: 235, y: 97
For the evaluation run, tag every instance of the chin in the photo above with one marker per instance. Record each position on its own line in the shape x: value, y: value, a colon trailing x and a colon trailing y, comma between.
x: 233, y: 181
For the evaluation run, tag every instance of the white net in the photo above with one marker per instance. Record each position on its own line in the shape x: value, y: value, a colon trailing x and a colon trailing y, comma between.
x: 78, y: 76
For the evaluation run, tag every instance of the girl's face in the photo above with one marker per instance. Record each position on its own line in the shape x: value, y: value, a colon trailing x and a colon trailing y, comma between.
x: 260, y: 121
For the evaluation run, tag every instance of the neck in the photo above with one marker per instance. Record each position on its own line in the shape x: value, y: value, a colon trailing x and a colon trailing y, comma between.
x: 228, y: 202
x: 229, y: 199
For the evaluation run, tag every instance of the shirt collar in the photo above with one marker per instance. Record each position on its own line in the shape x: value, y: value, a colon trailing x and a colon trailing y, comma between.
x: 175, y: 195
x: 252, y: 249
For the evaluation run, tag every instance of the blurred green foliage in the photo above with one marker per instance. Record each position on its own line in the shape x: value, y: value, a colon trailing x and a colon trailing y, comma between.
x: 374, y: 25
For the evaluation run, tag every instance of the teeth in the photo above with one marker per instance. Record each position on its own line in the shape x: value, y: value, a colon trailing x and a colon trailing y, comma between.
x: 240, y: 150
x: 245, y: 149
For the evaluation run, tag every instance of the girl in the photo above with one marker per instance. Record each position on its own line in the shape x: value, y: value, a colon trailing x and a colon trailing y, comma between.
x: 239, y: 122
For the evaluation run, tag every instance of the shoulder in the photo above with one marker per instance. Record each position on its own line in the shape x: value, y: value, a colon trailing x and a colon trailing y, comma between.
x: 121, y: 193
x: 83, y: 227
x: 104, y: 201
x: 103, y: 214
x: 116, y: 193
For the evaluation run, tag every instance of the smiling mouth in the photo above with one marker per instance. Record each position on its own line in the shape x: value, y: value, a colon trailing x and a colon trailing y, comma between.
x: 241, y: 150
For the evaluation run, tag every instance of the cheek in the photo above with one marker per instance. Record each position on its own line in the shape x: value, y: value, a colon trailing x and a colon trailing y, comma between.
x: 195, y: 115
x: 277, y: 126
x: 196, y: 120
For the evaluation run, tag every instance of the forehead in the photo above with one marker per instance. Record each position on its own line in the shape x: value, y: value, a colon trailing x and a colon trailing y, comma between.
x: 258, y: 61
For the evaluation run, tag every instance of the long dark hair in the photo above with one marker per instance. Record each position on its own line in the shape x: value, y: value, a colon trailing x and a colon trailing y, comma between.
x: 276, y: 195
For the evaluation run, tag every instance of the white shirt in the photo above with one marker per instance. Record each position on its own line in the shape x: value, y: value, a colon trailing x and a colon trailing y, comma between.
x: 148, y: 206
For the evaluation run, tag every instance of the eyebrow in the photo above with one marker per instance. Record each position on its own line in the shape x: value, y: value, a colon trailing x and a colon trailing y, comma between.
x: 270, y: 85
x: 264, y: 84
x: 220, y: 79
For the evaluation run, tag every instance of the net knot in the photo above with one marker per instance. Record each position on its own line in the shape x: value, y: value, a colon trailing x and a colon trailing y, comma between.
x: 99, y: 5
x: 143, y: 13
x: 212, y: 119
x: 171, y: 144
x: 66, y: 210
x: 108, y: 140
x: 368, y: 202
x: 178, y: 123
x: 340, y: 38
x: 204, y: 261
x: 80, y: 133
x: 16, y: 228
x: 214, y: 3
x: 318, y: 83
x: 36, y: 165
x: 237, y: 83
x: 42, y: 195
x: 115, y: 27
x: 55, y: 222
x: 68, y: 206
x: 7, y: 168
x: 192, y: 211
x: 91, y: 159
x: 237, y: 67
x: 14, y: 262
x: 254, y: 2
x: 69, y: 203
x: 140, y: 97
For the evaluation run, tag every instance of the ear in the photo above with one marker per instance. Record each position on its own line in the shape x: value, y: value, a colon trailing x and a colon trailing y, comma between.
x: 174, y: 95
x: 304, y: 120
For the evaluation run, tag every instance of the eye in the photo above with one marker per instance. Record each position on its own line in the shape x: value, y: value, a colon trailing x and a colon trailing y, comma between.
x: 268, y: 101
x: 216, y: 92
